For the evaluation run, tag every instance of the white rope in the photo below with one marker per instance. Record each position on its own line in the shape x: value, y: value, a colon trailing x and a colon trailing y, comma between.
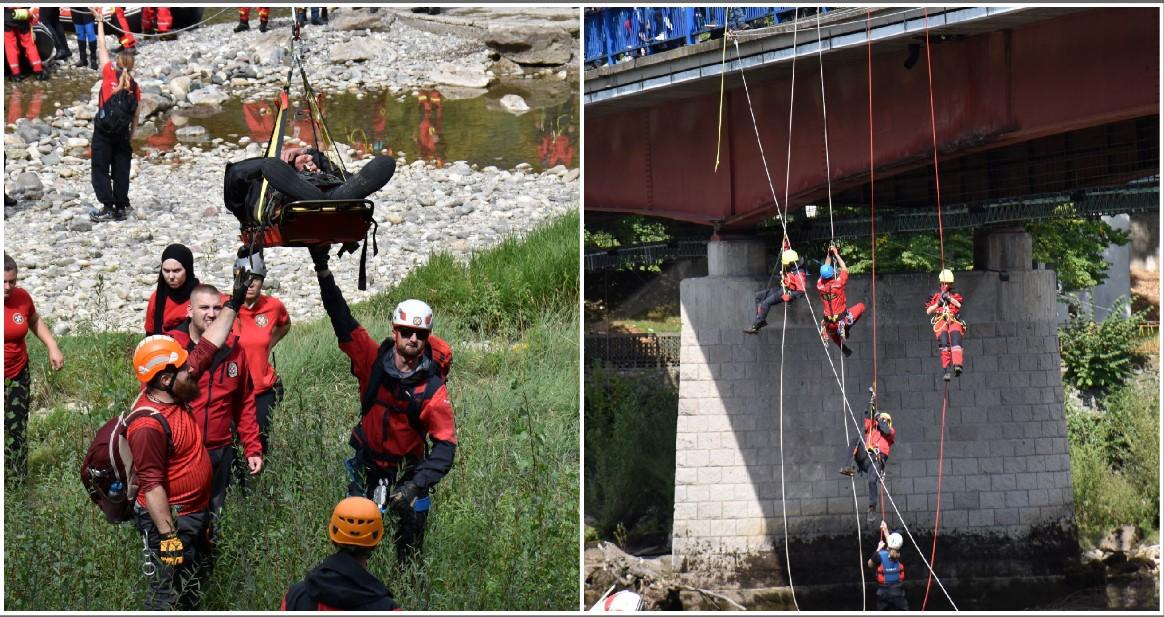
x: 783, y: 503
x: 112, y: 24
x: 833, y: 238
x: 832, y: 365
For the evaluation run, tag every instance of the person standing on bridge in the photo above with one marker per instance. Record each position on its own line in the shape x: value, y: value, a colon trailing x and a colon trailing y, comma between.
x: 792, y: 286
x: 943, y: 307
x: 831, y: 286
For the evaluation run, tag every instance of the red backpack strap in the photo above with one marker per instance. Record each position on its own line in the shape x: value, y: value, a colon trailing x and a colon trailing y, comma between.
x: 441, y: 353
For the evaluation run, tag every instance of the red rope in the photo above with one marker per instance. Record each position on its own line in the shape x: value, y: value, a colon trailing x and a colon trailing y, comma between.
x: 942, y: 244
x: 934, y: 132
x: 938, y: 510
x: 872, y: 224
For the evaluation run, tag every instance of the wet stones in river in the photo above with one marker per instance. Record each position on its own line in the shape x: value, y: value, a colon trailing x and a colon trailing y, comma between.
x: 533, y: 46
x: 210, y: 95
x: 462, y: 76
x: 514, y: 104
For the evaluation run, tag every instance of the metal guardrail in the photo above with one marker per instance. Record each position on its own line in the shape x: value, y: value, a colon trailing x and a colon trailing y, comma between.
x: 643, y: 254
x: 611, y: 33
x: 625, y: 350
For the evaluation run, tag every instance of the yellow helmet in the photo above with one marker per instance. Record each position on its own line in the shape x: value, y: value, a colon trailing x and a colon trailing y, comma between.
x: 885, y: 416
x: 789, y: 257
x: 946, y: 276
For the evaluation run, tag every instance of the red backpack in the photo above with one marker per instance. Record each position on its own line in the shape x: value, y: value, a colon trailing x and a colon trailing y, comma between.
x: 442, y: 354
x: 107, y: 470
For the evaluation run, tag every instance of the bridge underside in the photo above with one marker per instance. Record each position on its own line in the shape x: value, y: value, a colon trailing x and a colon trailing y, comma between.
x: 1055, y: 105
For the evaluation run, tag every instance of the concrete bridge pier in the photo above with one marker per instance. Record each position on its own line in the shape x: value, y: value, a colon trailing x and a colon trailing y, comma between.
x: 1002, y: 247
x: 1007, y: 530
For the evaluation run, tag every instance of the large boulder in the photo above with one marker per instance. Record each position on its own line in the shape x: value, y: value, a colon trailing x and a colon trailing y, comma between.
x: 464, y: 76
x: 269, y: 49
x: 29, y: 182
x: 362, y: 20
x: 514, y: 104
x: 532, y: 46
x: 179, y: 87
x: 211, y: 95
x: 152, y: 102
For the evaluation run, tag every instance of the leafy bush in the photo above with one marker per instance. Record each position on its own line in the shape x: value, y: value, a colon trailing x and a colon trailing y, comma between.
x: 1115, y: 459
x: 630, y: 451
x: 1099, y: 356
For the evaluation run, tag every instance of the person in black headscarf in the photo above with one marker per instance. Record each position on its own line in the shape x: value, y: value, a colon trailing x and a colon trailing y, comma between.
x: 170, y: 302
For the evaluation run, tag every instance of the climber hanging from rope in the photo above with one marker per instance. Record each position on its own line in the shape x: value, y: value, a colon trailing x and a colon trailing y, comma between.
x: 301, y: 196
x: 792, y: 286
x: 872, y: 449
x: 944, y: 307
x: 837, y: 318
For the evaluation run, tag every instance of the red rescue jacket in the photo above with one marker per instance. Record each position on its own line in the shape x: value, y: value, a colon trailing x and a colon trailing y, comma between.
x: 227, y: 397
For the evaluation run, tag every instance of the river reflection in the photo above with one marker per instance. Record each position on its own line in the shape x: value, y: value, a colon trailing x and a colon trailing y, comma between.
x: 426, y: 124
x: 24, y: 101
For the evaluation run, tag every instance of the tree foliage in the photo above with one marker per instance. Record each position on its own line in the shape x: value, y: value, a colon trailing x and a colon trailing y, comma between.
x: 1074, y: 248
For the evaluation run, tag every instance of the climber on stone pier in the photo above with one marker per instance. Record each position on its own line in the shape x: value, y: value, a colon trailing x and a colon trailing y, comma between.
x: 792, y: 286
x: 838, y: 318
x: 944, y: 307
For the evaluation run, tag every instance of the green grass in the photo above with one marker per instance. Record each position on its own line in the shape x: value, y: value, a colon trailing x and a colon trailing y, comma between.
x: 503, y: 532
x: 1115, y: 460
x: 666, y: 325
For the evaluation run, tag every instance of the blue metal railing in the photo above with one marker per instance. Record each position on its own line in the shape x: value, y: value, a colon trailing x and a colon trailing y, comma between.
x: 619, y: 33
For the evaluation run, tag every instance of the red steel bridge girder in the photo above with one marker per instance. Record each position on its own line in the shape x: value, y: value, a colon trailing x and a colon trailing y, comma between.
x: 990, y: 90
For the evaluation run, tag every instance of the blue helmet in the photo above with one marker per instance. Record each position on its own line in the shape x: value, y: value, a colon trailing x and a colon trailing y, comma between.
x: 826, y: 271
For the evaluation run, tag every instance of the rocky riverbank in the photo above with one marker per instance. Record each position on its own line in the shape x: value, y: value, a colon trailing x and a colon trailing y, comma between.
x: 101, y: 275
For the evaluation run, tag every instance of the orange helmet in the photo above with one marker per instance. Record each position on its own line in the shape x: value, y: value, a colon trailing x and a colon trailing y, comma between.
x: 155, y: 353
x: 356, y: 521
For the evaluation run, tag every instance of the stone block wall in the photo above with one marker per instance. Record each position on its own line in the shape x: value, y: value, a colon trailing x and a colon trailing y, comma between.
x: 1005, y: 471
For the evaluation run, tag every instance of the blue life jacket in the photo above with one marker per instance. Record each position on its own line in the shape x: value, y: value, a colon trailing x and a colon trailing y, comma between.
x: 889, y: 572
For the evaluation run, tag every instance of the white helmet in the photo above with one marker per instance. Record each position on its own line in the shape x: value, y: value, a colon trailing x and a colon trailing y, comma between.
x: 894, y: 541
x: 252, y: 263
x: 413, y: 314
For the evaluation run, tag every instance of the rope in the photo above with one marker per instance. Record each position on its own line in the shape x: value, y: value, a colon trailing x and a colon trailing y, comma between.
x: 942, y: 245
x: 825, y: 348
x: 872, y: 214
x: 722, y: 80
x: 832, y: 240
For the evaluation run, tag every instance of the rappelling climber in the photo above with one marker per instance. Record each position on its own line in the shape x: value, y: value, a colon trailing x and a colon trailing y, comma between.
x: 890, y: 571
x: 944, y: 307
x: 831, y: 286
x: 878, y: 440
x: 791, y: 287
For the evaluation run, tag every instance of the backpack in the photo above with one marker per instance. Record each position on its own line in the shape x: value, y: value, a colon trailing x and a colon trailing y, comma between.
x: 107, y: 469
x: 117, y: 113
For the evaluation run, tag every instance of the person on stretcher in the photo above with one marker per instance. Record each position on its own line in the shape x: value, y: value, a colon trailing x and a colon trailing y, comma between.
x: 299, y: 174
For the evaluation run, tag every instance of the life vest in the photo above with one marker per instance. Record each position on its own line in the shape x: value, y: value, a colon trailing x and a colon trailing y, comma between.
x: 889, y: 572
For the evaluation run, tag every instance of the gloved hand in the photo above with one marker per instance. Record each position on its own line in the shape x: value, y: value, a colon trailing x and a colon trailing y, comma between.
x: 786, y: 297
x: 404, y: 497
x: 319, y: 256
x: 242, y: 281
x: 20, y: 14
x: 171, y: 549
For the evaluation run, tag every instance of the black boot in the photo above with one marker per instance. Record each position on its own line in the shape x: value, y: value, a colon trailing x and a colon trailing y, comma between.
x: 43, y: 75
x: 106, y: 213
x: 262, y: 25
x: 82, y: 59
x: 242, y: 26
x: 93, y: 55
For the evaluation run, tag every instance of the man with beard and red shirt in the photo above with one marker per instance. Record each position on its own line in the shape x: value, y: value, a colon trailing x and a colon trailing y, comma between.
x: 171, y: 468
x: 404, y: 406
x: 227, y: 395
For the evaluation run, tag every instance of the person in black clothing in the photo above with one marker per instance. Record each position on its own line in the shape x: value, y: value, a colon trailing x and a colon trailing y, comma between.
x: 50, y: 16
x: 112, y: 154
x: 342, y: 581
x: 302, y: 174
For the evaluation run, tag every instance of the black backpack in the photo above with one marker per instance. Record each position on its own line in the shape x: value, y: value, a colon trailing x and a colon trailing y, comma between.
x: 117, y: 113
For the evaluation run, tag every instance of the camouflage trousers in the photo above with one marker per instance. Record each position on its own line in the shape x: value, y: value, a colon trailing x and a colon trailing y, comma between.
x: 17, y: 393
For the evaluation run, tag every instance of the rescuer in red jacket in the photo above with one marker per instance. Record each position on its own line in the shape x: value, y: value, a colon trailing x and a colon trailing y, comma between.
x: 944, y: 307
x: 792, y: 286
x: 227, y: 397
x: 404, y: 406
x: 831, y: 286
x: 873, y: 447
